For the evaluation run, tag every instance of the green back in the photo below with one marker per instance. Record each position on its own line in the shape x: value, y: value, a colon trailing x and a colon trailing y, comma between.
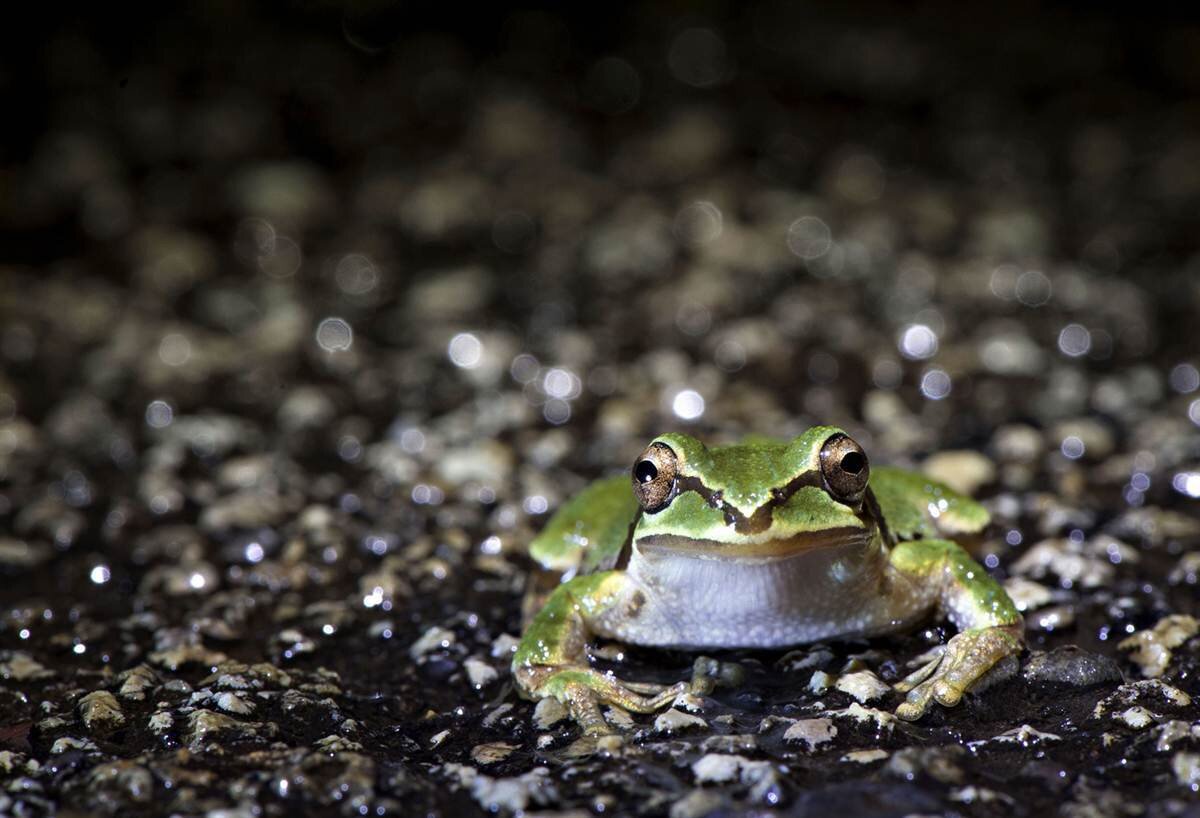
x: 916, y: 506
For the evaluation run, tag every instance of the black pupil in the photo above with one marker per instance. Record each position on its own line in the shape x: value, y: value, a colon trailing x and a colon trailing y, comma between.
x: 645, y: 471
x: 853, y: 463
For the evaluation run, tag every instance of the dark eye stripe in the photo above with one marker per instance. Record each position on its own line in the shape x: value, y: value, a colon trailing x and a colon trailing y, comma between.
x: 760, y: 520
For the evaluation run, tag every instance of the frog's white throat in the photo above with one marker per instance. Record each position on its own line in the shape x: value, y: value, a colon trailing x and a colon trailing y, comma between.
x: 708, y: 597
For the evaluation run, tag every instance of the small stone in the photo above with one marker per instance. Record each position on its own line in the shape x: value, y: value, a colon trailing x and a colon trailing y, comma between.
x: 676, y: 721
x: 480, y: 673
x: 1186, y: 767
x: 1095, y: 435
x: 132, y: 780
x: 491, y: 752
x: 1070, y: 665
x: 731, y: 743
x: 547, y: 713
x: 978, y: 795
x: 1136, y: 717
x: 883, y: 720
x: 864, y: 686
x: 437, y: 738
x: 719, y: 768
x: 19, y: 554
x: 101, y: 712
x: 510, y: 795
x: 1026, y: 594
x: 504, y: 646
x: 67, y: 744
x: 433, y: 639
x: 1017, y: 443
x: 1173, y: 731
x: 160, y: 722
x: 1056, y: 618
x: 1187, y: 572
x: 204, y: 724
x: 1151, y: 649
x: 1141, y: 690
x: 234, y: 703
x: 820, y: 682
x: 769, y: 723
x: 1065, y: 559
x: 964, y: 470
x: 497, y: 713
x: 1024, y: 735
x: 619, y: 718
x: 137, y: 682
x: 21, y: 667
x: 697, y: 804
x: 811, y: 732
x: 174, y: 658
x: 865, y: 756
x: 939, y: 763
x: 337, y: 744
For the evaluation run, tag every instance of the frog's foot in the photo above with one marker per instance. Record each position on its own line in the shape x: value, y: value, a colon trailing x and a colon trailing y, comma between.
x: 583, y: 690
x: 709, y: 674
x: 967, y: 657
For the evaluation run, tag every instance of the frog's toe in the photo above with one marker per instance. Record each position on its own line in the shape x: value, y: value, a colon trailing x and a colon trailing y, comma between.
x: 968, y: 657
x: 916, y: 704
x: 912, y: 680
x: 709, y: 674
x: 583, y: 690
x: 946, y: 693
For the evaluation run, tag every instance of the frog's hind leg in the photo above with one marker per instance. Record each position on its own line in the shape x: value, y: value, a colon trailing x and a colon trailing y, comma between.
x: 551, y: 660
x: 990, y: 628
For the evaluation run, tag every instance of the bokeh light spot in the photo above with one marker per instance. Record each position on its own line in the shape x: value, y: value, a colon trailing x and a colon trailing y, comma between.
x: 334, y: 335
x: 688, y: 404
x: 465, y: 350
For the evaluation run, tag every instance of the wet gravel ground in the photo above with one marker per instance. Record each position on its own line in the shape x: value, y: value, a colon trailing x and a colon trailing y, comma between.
x: 308, y: 321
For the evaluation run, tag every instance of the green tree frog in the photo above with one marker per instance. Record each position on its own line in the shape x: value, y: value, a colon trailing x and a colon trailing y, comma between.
x: 762, y: 544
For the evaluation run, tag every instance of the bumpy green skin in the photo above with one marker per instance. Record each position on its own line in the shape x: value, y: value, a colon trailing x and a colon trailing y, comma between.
x: 590, y: 529
x: 583, y: 539
x: 916, y: 506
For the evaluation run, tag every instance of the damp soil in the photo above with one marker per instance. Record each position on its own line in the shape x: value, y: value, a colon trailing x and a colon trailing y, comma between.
x: 310, y: 317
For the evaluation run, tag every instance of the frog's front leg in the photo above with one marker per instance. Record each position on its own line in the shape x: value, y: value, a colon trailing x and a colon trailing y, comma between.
x: 990, y: 628
x: 551, y: 659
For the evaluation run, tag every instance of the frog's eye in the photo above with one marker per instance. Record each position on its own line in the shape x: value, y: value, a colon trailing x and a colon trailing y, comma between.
x: 654, y: 477
x: 844, y: 468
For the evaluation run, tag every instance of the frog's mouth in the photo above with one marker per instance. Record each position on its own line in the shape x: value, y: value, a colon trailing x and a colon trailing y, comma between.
x: 675, y: 545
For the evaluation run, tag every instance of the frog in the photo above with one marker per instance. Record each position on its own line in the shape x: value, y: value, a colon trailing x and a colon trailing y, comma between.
x: 762, y: 544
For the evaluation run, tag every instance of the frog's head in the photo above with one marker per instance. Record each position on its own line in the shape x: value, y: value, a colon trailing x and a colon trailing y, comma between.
x: 761, y: 499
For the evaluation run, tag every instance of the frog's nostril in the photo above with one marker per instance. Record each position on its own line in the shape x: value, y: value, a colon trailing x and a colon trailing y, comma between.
x: 645, y: 471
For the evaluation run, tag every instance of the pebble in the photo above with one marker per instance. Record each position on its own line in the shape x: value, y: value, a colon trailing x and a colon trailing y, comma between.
x: 673, y: 721
x: 492, y: 752
x: 811, y: 732
x: 548, y: 712
x: 435, y: 638
x: 101, y: 712
x: 865, y: 756
x: 863, y: 685
x: 480, y: 673
x: 964, y: 470
x: 1151, y: 649
x: 1070, y: 665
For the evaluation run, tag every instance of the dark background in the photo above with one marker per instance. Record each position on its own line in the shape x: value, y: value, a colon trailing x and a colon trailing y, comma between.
x: 311, y: 313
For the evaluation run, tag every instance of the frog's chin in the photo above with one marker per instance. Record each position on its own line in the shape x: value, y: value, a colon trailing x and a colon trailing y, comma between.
x: 760, y: 547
